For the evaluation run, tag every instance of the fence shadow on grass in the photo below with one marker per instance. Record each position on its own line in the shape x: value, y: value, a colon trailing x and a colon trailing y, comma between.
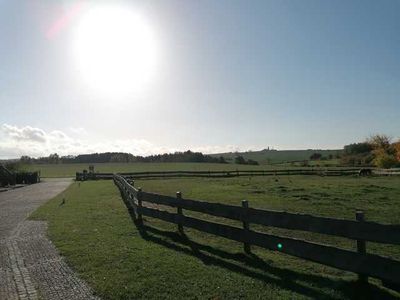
x: 257, y: 268
x: 253, y: 266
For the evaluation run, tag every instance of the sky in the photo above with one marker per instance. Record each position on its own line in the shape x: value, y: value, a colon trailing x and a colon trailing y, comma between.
x: 225, y: 75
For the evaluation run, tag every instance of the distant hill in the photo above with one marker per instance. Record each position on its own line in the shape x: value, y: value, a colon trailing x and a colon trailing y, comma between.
x: 279, y: 156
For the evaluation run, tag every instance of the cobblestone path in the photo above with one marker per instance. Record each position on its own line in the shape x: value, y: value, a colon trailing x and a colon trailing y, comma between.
x: 30, y: 266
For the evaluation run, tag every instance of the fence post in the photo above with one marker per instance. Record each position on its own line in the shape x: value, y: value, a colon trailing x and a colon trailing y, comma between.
x: 131, y: 205
x: 139, y: 213
x: 361, y: 245
x: 124, y: 192
x: 179, y: 212
x: 132, y: 200
x: 246, y: 227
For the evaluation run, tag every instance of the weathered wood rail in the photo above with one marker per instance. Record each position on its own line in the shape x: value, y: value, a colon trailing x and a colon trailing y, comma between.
x: 12, y: 178
x: 221, y: 174
x: 387, y: 172
x: 360, y: 262
x: 6, y: 177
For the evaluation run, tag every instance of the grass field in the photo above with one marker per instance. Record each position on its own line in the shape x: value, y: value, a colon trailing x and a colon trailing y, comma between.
x: 95, y: 233
x: 278, y: 156
x: 69, y: 170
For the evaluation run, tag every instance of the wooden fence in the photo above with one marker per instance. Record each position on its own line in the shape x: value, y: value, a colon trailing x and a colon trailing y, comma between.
x: 360, y: 262
x: 6, y: 177
x: 221, y: 174
x: 387, y: 172
x: 11, y: 178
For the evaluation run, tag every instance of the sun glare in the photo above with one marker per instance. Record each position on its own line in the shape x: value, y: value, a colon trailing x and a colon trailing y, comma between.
x: 115, y: 50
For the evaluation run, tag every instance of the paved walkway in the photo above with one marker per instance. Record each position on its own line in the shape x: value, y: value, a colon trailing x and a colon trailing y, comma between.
x: 30, y: 266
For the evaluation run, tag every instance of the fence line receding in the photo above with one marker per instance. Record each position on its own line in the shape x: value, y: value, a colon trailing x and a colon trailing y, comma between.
x: 360, y: 262
x: 230, y: 173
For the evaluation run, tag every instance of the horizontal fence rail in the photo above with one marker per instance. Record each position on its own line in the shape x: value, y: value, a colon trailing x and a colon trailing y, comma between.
x: 223, y: 174
x: 368, y: 231
x: 362, y: 263
x: 387, y: 172
x: 342, y: 259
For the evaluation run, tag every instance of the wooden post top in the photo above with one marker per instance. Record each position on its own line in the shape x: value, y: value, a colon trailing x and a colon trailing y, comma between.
x: 359, y: 215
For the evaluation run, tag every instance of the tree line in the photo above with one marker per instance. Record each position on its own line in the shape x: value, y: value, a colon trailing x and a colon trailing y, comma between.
x: 378, y: 150
x: 187, y: 156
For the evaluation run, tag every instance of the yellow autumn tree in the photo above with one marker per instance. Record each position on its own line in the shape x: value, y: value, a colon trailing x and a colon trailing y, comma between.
x: 383, y: 150
x: 397, y: 148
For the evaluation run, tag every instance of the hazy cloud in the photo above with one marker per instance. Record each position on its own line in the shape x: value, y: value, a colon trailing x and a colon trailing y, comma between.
x: 26, y: 133
x: 17, y: 141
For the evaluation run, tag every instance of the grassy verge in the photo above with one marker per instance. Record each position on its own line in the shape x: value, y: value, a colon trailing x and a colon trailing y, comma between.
x: 95, y: 233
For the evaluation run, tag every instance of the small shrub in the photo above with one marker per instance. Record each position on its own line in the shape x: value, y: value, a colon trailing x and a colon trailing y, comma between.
x: 240, y: 160
x: 252, y: 162
x: 384, y: 160
x: 316, y: 156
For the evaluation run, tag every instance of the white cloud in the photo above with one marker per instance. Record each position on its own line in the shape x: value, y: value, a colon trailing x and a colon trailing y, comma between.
x: 26, y: 133
x: 17, y: 141
x: 58, y: 135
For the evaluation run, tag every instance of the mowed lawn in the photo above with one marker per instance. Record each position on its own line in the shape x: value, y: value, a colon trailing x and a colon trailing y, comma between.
x: 95, y: 233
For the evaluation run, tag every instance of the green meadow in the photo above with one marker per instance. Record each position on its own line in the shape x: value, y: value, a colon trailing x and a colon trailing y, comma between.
x: 95, y: 233
x: 283, y: 156
x: 69, y: 170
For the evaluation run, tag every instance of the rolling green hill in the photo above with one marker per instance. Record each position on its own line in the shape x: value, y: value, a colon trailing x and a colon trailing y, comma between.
x: 278, y: 156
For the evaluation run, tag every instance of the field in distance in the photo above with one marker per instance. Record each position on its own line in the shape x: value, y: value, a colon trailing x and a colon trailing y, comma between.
x: 282, y: 156
x: 95, y: 233
x: 69, y: 170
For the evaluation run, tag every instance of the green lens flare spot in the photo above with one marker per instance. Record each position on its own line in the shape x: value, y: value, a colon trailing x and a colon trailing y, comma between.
x: 280, y: 246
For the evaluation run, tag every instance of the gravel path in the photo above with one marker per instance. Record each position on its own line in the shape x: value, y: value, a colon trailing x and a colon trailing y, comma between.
x: 30, y: 266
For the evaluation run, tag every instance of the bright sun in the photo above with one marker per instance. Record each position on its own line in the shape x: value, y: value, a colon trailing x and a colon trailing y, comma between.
x: 115, y: 50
